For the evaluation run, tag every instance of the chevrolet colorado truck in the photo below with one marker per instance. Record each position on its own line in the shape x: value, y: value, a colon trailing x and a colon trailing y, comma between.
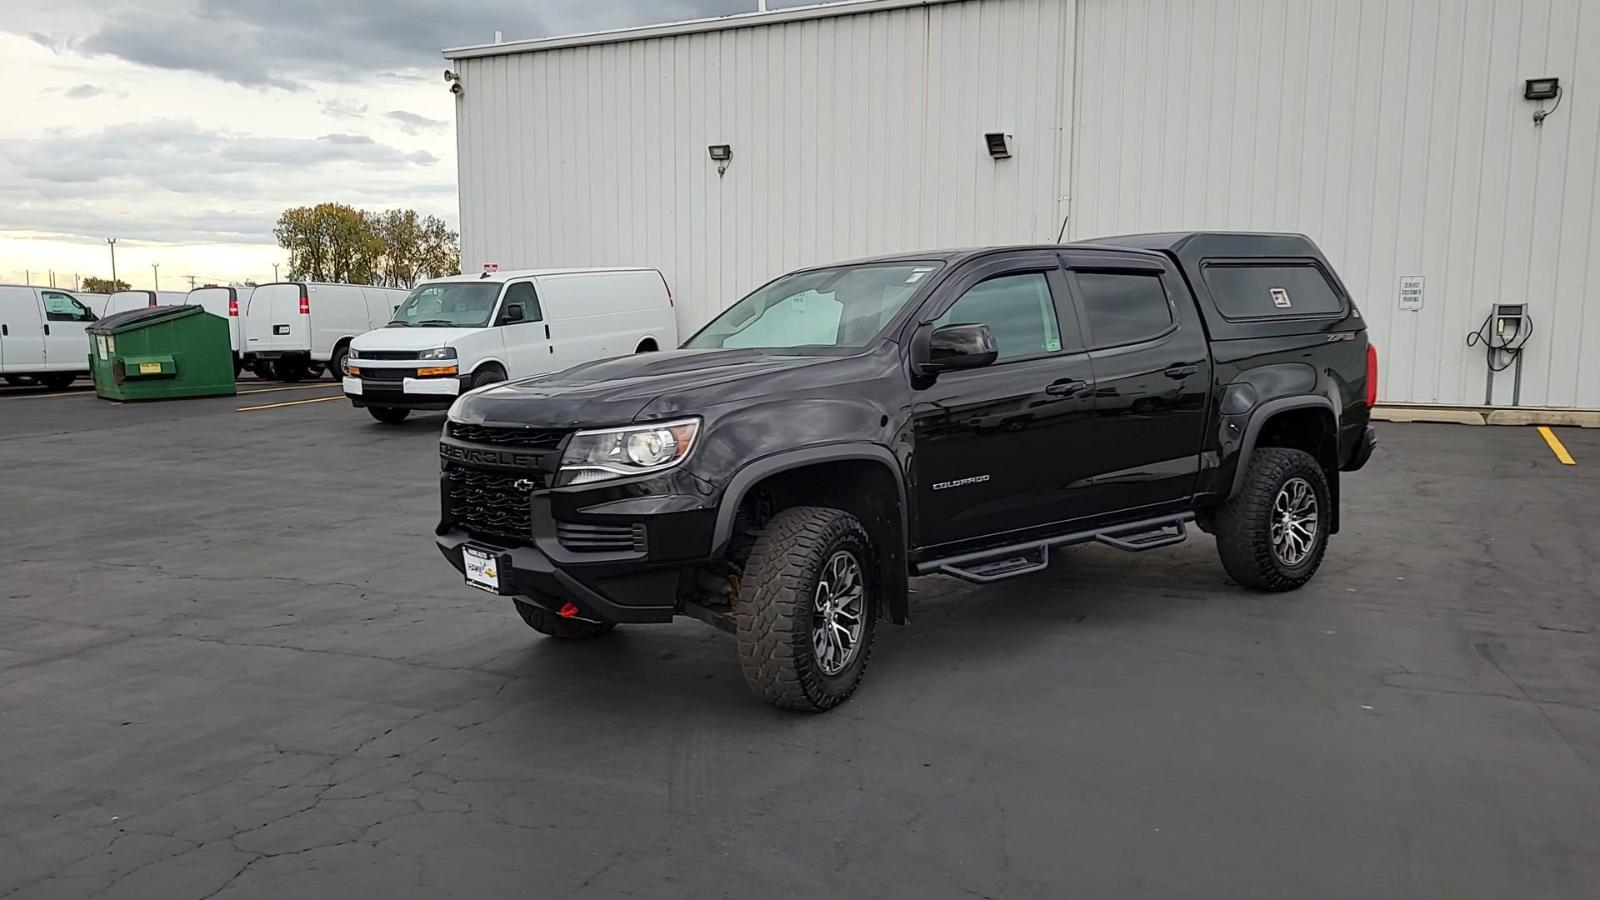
x: 847, y: 427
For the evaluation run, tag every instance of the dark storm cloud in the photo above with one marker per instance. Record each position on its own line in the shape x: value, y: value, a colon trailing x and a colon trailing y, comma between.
x: 285, y: 43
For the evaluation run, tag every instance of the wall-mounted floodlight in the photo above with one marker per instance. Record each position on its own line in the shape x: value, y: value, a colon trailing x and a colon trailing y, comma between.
x: 1541, y: 88
x: 999, y: 144
x: 722, y: 155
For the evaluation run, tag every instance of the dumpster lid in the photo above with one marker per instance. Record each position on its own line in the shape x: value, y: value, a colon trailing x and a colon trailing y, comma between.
x: 149, y: 315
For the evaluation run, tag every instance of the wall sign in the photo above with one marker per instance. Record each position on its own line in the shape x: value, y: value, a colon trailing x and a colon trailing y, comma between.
x: 1411, y: 290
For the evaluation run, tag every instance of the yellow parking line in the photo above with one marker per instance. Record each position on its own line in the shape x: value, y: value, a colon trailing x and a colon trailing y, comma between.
x: 290, y: 403
x: 293, y: 387
x: 1556, y: 447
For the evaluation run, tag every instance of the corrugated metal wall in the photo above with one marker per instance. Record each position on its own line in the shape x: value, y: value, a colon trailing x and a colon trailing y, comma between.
x: 1394, y: 133
x: 851, y: 135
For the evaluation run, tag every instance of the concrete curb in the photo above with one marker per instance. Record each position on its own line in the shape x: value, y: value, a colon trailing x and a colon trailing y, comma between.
x: 1572, y: 418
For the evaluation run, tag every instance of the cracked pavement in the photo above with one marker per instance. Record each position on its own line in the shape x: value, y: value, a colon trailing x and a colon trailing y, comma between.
x: 233, y: 665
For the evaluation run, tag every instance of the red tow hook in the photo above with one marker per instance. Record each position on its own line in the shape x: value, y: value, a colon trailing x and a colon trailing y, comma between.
x: 569, y: 610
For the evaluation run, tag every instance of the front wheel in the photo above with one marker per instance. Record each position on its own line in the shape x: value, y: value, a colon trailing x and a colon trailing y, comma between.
x: 808, y: 610
x: 19, y: 380
x: 1273, y: 534
x: 340, y: 364
x: 388, y: 415
x: 552, y: 625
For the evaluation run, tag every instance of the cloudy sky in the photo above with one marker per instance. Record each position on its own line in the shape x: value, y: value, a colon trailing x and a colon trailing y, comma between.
x: 184, y: 127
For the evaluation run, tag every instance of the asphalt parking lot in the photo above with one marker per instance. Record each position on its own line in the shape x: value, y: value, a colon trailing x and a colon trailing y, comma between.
x: 232, y: 664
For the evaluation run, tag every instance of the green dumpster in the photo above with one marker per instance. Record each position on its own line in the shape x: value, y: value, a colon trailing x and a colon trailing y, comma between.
x: 161, y: 352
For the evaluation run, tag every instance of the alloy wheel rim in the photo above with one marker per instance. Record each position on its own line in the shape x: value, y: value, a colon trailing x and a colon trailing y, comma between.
x: 1294, y: 522
x: 838, y: 613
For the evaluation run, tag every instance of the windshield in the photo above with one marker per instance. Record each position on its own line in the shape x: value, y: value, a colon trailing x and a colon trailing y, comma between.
x: 843, y: 307
x: 450, y: 304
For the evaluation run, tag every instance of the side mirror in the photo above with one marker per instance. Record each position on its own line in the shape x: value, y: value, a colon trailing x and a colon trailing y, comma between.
x: 955, y: 347
x: 513, y: 313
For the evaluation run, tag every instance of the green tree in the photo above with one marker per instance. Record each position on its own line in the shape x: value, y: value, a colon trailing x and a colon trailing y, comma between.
x: 93, y: 285
x: 395, y: 248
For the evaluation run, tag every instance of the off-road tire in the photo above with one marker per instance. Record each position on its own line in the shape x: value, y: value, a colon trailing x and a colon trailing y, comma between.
x: 773, y: 616
x: 552, y: 625
x: 389, y: 415
x: 1243, y: 525
x: 56, y: 382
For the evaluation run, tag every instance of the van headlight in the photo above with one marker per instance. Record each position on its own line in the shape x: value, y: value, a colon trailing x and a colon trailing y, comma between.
x: 607, y: 453
x: 438, y: 353
x: 354, y: 353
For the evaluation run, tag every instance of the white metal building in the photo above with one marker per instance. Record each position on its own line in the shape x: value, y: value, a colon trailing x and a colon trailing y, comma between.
x: 1394, y: 132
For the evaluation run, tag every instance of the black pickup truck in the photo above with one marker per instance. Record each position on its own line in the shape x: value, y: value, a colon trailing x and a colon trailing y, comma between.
x: 954, y: 413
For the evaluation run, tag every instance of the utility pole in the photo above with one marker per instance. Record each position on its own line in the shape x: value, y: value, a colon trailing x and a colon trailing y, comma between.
x: 191, y: 281
x: 113, y: 242
x: 156, y: 268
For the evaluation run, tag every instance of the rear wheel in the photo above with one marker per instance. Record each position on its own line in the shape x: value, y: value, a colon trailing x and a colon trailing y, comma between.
x: 238, y: 366
x: 1273, y: 534
x: 19, y: 380
x: 646, y: 346
x: 262, y: 369
x: 808, y: 609
x: 340, y: 364
x: 289, y: 369
x: 548, y: 623
x: 388, y: 415
x: 314, y: 370
x: 56, y: 382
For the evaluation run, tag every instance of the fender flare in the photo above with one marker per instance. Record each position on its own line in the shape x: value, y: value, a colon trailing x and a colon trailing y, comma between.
x: 1258, y: 420
x: 733, y: 495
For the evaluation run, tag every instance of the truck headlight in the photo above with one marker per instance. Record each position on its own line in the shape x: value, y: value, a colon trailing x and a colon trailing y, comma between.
x: 608, y: 453
x: 354, y: 353
x: 438, y: 353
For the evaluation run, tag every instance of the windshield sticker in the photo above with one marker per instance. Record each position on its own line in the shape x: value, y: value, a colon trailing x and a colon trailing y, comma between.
x: 918, y: 274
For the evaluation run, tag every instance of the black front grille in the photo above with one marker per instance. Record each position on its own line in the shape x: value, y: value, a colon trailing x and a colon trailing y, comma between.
x: 494, y: 504
x: 390, y: 376
x: 602, y: 538
x: 530, y: 438
x: 387, y: 354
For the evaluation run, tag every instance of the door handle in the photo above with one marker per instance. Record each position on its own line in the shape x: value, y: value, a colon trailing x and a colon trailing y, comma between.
x: 1180, y: 371
x: 47, y: 329
x: 1067, y: 387
x: 5, y: 330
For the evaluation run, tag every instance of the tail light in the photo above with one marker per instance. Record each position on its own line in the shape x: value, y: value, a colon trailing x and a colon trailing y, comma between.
x: 305, y: 304
x: 1372, y: 376
x: 233, y: 307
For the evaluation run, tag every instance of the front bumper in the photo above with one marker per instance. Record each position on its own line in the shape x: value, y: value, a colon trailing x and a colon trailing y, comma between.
x: 409, y: 393
x: 555, y: 564
x: 1363, y: 450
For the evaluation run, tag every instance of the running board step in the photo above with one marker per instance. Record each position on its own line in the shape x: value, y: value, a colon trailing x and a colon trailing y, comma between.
x: 1001, y: 563
x: 1035, y: 559
x: 1137, y: 541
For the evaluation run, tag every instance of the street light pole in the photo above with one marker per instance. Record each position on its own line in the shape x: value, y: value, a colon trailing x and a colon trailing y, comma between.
x: 274, y: 271
x: 156, y: 268
x: 113, y: 242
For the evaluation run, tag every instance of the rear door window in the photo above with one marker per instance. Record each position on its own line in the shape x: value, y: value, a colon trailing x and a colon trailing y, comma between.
x: 1277, y: 290
x: 1124, y: 307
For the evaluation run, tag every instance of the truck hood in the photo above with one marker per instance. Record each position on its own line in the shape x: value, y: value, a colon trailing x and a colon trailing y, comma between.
x: 408, y: 338
x: 616, y: 391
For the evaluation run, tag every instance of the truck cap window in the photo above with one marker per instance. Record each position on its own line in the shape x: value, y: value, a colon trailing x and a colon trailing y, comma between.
x: 841, y: 307
x: 448, y: 304
x: 1245, y: 291
x: 1124, y: 308
x: 1017, y: 309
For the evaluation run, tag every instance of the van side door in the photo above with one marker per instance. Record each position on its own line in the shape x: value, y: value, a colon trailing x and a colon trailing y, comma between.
x: 66, y: 345
x: 1152, y: 368
x: 21, y: 330
x: 524, y: 330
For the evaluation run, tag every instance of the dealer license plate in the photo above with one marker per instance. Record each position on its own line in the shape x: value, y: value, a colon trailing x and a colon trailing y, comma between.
x: 483, y: 570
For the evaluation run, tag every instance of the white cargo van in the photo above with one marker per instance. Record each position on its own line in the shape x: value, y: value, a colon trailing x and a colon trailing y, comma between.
x: 229, y: 303
x: 454, y: 334
x: 123, y: 301
x: 42, y: 335
x: 295, y: 329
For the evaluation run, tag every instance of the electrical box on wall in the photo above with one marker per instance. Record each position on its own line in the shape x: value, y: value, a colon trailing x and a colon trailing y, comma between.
x: 1510, y: 321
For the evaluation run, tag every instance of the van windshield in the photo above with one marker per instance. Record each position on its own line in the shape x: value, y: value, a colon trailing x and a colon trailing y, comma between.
x: 451, y: 304
x: 836, y: 308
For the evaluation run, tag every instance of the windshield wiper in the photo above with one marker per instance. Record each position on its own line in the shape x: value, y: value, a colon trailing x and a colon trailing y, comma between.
x: 398, y: 324
x: 445, y: 322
